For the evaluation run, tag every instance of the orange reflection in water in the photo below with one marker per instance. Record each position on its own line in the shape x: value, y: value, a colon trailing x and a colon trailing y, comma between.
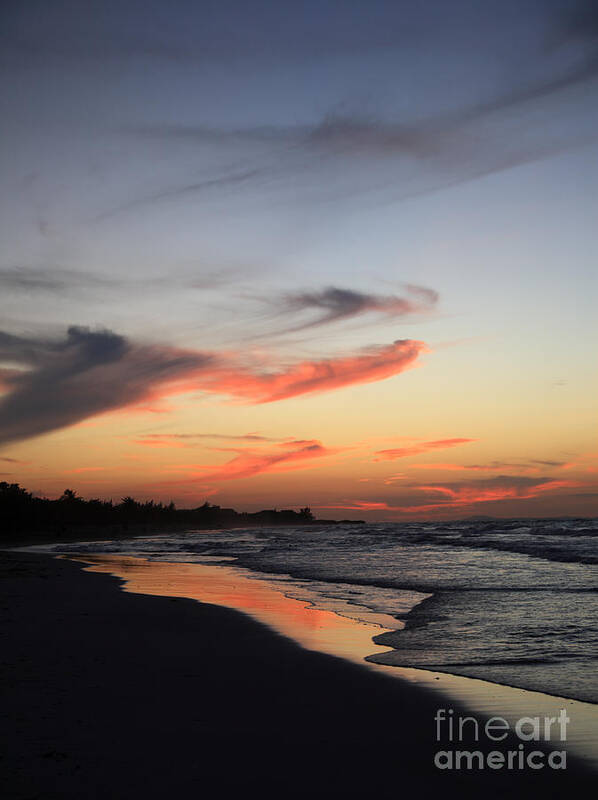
x: 327, y: 632
x: 313, y: 628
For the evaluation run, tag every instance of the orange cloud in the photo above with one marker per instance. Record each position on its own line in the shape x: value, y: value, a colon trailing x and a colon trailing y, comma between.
x: 188, y: 439
x: 288, y: 456
x: 363, y: 505
x: 94, y: 372
x: 464, y: 495
x: 472, y: 494
x: 416, y: 449
x: 314, y: 376
x: 584, y: 463
x: 157, y: 441
x: 399, y: 476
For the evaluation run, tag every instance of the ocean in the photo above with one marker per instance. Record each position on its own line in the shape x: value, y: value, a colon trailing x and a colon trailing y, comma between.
x: 511, y: 602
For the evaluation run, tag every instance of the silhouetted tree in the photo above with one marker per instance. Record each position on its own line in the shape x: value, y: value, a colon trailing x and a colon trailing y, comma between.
x: 21, y: 511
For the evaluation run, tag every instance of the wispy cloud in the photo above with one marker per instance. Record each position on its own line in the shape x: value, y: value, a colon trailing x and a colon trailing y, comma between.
x: 333, y: 304
x: 65, y: 282
x: 502, y: 487
x: 547, y: 463
x: 62, y: 382
x: 423, y: 157
x: 457, y: 496
x: 309, y: 377
x: 495, y: 466
x: 399, y: 476
x: 188, y: 439
x: 30, y: 279
x: 497, y: 129
x: 495, y: 133
x: 587, y: 462
x: 224, y: 181
x: 458, y: 144
x: 416, y: 449
x: 523, y: 465
x: 248, y: 462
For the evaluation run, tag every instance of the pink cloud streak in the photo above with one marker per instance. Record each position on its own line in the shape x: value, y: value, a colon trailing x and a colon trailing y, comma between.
x: 314, y: 376
x: 89, y: 373
x: 416, y: 449
x: 504, y: 488
x: 248, y: 462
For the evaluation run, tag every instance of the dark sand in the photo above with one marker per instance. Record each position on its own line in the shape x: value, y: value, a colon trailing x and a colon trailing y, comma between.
x: 114, y: 695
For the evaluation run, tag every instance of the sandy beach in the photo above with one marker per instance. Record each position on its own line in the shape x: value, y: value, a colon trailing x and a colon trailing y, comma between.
x: 112, y: 694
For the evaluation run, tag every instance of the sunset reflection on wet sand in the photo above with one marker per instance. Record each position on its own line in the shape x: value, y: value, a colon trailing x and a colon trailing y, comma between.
x: 327, y: 632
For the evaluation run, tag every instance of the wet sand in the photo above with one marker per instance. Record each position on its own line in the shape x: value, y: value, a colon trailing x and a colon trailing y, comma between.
x: 310, y: 621
x: 114, y: 694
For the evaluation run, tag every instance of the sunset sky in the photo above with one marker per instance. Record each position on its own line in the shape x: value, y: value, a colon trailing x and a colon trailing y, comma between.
x: 335, y: 253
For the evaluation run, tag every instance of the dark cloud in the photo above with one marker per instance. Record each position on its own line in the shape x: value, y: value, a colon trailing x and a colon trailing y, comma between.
x: 429, y: 296
x: 492, y: 466
x: 62, y: 382
x: 50, y: 279
x: 63, y: 282
x: 334, y: 135
x: 519, y: 482
x: 28, y: 280
x: 334, y: 303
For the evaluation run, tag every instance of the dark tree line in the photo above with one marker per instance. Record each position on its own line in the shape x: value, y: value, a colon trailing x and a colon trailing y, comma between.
x: 21, y: 512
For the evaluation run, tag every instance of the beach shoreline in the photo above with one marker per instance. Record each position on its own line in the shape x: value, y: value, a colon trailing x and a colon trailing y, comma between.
x: 317, y: 625
x: 117, y: 694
